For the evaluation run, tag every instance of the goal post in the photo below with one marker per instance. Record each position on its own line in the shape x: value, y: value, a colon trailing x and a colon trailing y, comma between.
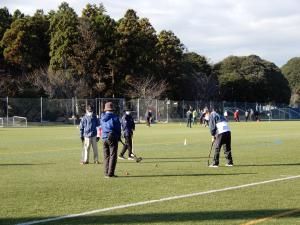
x: 19, y: 121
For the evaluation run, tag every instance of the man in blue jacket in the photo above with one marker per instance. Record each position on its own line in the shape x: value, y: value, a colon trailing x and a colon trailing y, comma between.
x: 128, y: 127
x: 111, y: 134
x: 88, y: 135
x: 221, y: 135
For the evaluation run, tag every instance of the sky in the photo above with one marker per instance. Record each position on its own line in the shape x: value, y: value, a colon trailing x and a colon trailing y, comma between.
x: 213, y: 28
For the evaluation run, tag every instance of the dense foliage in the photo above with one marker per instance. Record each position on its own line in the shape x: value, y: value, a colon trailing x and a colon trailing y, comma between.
x: 291, y: 70
x: 107, y: 58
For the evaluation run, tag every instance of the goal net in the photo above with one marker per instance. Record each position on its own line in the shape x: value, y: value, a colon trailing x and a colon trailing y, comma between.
x: 19, y: 121
x: 1, y: 122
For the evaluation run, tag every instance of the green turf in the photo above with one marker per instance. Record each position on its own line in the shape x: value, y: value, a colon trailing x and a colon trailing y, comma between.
x: 41, y: 176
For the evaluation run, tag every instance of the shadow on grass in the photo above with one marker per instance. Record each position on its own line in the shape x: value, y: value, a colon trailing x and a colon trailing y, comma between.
x: 145, y: 218
x: 26, y: 164
x: 273, y: 164
x: 185, y: 175
x: 178, y: 158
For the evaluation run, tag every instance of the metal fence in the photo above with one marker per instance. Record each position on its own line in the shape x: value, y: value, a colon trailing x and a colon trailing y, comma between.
x: 69, y: 111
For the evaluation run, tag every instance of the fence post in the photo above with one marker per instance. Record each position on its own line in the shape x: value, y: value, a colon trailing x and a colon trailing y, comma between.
x: 138, y: 110
x: 7, y: 111
x: 41, y: 110
x: 156, y: 109
x: 182, y: 109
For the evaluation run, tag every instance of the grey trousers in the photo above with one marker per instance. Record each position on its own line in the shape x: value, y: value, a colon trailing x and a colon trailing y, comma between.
x: 223, y: 139
x: 110, y: 153
x: 88, y: 142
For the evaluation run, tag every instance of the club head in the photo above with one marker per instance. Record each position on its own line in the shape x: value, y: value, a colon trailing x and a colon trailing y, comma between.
x: 138, y: 159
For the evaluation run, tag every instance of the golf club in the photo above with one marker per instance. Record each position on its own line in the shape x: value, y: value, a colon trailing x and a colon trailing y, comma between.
x: 137, y: 159
x: 211, y: 146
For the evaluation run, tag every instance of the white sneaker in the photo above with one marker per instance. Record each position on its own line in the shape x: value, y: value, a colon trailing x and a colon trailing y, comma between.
x: 130, y: 158
x: 213, y: 166
x: 229, y: 164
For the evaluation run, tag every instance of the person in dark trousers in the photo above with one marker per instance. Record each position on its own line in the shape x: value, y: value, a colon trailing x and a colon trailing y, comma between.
x: 189, y: 117
x: 88, y: 135
x: 111, y: 134
x: 246, y: 115
x: 128, y: 127
x: 149, y: 117
x: 221, y: 135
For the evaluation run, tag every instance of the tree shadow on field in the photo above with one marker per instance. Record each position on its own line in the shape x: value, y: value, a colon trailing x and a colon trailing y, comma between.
x: 273, y: 164
x: 26, y: 164
x: 236, y: 216
x: 178, y: 158
x: 185, y: 175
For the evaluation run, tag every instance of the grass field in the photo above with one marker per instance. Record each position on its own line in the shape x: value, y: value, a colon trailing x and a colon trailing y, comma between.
x: 41, y: 177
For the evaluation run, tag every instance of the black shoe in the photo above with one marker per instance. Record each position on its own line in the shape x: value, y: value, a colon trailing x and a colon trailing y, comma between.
x: 112, y: 176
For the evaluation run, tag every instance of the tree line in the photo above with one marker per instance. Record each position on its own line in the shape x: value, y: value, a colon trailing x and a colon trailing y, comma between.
x: 61, y: 55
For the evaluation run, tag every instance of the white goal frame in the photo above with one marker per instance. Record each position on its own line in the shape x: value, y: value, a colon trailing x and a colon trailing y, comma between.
x: 1, y: 122
x: 19, y: 117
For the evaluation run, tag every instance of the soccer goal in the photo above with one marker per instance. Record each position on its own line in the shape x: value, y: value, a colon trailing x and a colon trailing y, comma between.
x: 1, y: 122
x: 19, y: 121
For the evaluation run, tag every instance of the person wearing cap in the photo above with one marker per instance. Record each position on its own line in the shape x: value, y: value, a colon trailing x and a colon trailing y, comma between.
x: 88, y: 135
x: 148, y: 117
x: 111, y: 134
x: 128, y: 127
x: 221, y: 135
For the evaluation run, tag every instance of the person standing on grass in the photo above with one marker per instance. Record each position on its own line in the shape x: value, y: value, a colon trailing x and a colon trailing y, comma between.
x: 195, y: 115
x: 111, y: 134
x: 149, y: 117
x: 128, y: 127
x: 88, y: 135
x: 189, y: 117
x: 236, y: 116
x: 221, y: 135
x: 246, y: 115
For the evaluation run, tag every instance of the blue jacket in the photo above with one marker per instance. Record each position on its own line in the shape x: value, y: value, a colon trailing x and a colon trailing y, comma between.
x: 128, y: 125
x: 110, y: 123
x: 88, y: 126
x: 215, y: 118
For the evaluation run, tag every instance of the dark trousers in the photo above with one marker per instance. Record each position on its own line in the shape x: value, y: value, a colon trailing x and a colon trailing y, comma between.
x: 189, y: 122
x: 128, y: 145
x: 223, y: 139
x: 110, y: 153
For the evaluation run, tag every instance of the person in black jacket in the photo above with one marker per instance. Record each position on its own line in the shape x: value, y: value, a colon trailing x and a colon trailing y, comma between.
x: 128, y: 126
x: 221, y: 135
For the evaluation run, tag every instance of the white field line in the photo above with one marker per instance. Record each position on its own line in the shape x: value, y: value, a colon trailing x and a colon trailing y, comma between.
x: 155, y: 201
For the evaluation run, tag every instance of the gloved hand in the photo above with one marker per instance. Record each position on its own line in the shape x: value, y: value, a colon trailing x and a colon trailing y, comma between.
x: 213, y: 138
x: 82, y: 139
x: 97, y: 139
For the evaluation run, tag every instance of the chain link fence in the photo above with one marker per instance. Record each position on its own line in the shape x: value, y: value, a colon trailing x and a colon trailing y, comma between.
x: 43, y: 111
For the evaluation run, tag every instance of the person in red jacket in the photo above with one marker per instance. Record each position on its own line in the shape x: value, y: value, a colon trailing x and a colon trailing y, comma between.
x: 236, y: 116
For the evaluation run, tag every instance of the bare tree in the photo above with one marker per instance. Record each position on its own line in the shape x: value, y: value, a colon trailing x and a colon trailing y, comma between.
x: 147, y: 88
x: 58, y: 84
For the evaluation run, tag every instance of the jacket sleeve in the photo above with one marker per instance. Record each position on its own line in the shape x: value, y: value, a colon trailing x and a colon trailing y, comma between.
x: 117, y: 127
x: 212, y: 125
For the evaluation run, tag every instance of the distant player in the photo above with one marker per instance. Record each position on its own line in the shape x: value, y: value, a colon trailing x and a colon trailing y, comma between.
x: 236, y: 116
x: 221, y: 135
x: 189, y: 117
x: 149, y: 117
